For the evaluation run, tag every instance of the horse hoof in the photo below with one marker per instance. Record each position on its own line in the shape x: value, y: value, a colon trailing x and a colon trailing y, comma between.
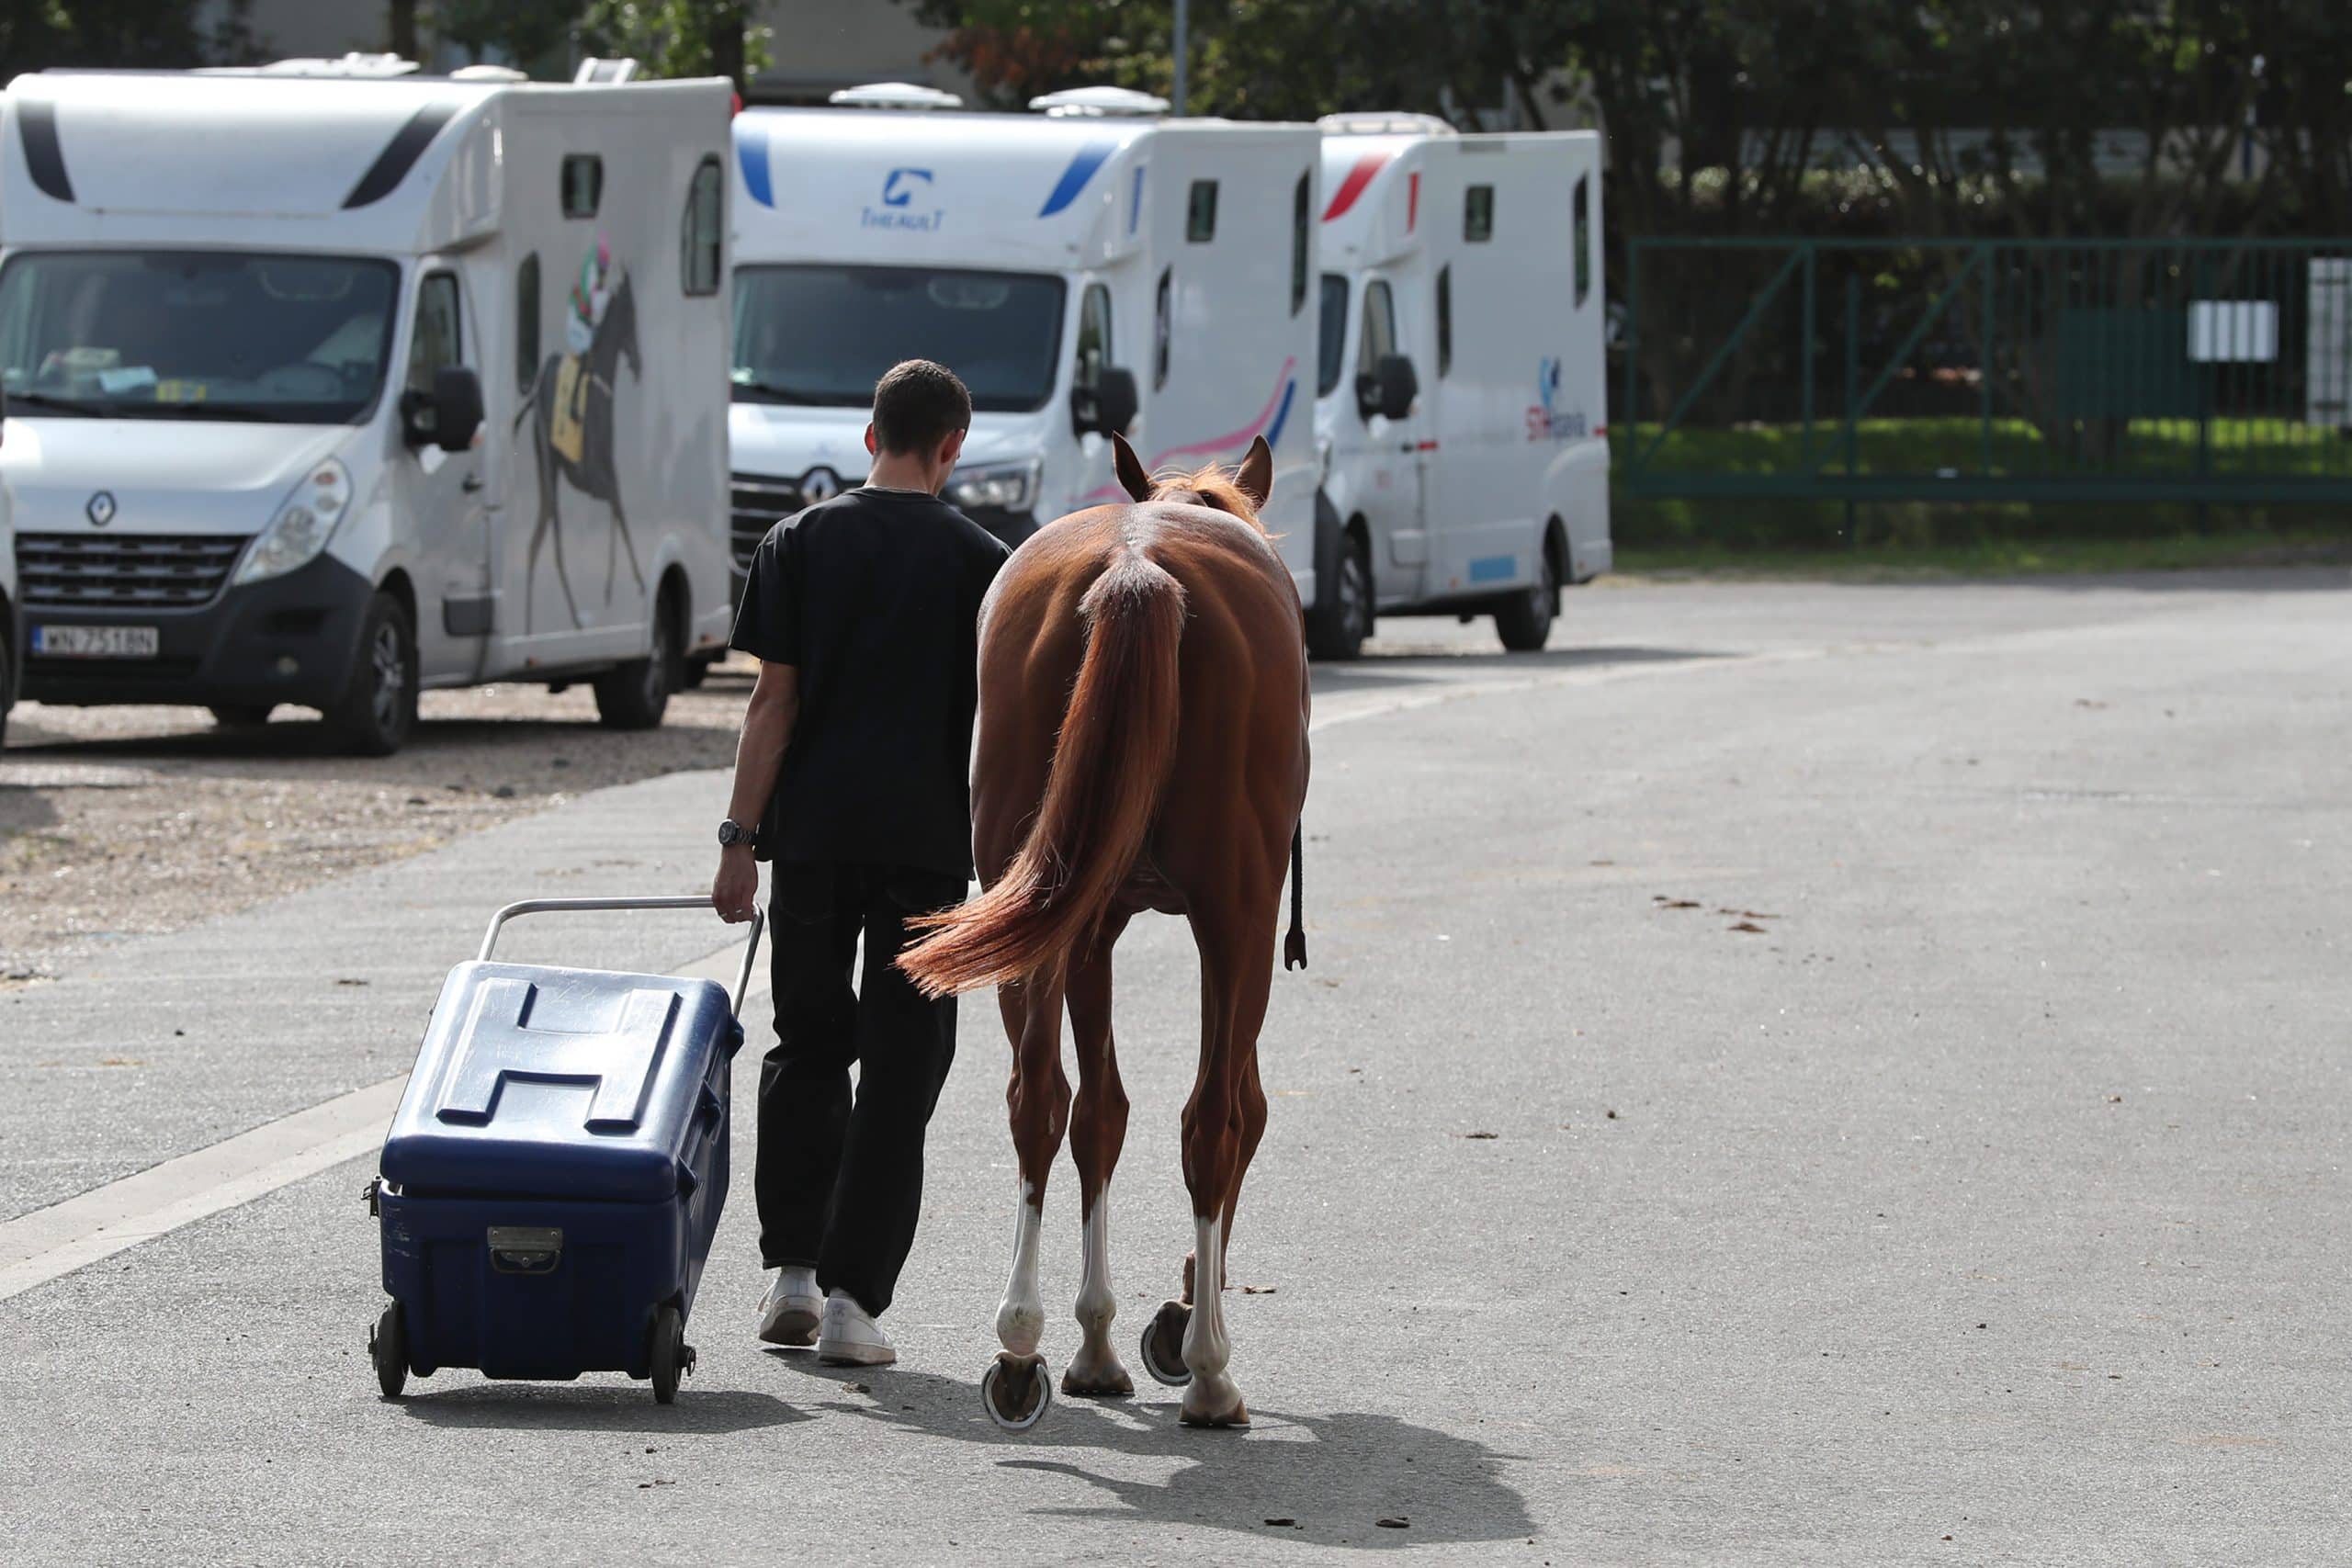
x: 1213, y: 1401
x: 1163, y: 1345
x: 1097, y: 1379
x: 1016, y: 1391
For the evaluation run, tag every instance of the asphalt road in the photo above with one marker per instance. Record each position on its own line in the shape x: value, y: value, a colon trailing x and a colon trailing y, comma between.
x: 1793, y: 1074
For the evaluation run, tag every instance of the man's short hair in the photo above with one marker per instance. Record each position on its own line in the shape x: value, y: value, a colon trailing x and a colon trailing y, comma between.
x: 916, y: 405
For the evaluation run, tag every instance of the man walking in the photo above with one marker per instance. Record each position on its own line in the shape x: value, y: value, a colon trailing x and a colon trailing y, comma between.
x: 854, y: 763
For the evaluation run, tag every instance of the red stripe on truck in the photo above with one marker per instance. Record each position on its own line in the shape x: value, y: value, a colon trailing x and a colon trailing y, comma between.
x: 1359, y: 177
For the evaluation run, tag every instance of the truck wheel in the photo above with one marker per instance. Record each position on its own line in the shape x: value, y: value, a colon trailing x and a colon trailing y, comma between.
x: 635, y: 695
x: 1341, y: 619
x: 378, y: 708
x: 1525, y: 622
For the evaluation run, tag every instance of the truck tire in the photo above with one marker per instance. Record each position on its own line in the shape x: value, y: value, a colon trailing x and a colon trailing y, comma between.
x: 1524, y: 621
x: 1342, y: 617
x: 377, y: 708
x: 635, y: 695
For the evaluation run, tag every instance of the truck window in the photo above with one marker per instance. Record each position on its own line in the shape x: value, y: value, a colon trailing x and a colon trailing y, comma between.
x: 1331, y: 334
x: 583, y: 185
x: 1379, y: 332
x: 1159, y: 330
x: 1478, y: 214
x: 439, y: 342
x: 699, y: 234
x: 1093, y: 336
x: 1200, y: 212
x: 1584, y: 237
x: 527, y: 322
x: 1298, y: 222
x: 1444, y: 319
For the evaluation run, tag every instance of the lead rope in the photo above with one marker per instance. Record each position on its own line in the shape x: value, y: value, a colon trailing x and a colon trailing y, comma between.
x: 1294, y: 944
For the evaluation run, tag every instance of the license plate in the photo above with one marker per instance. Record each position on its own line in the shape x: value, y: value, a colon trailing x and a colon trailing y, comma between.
x: 96, y: 642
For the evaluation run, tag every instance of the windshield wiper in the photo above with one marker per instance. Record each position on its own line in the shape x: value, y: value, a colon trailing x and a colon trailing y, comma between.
x: 55, y: 404
x: 773, y: 391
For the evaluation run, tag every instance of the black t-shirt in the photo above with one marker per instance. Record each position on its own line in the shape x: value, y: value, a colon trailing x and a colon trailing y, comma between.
x: 875, y: 596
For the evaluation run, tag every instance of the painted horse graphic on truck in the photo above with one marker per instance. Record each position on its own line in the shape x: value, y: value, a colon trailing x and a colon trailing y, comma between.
x: 570, y: 406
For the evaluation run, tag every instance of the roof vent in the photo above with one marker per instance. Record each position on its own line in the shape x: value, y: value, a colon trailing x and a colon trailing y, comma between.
x: 594, y: 73
x: 1385, y: 122
x: 895, y: 96
x: 488, y: 74
x: 351, y: 65
x: 1100, y: 102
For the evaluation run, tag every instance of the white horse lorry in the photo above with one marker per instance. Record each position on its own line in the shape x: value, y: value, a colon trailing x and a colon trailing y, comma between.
x: 327, y: 381
x: 1086, y: 268
x: 1461, y: 408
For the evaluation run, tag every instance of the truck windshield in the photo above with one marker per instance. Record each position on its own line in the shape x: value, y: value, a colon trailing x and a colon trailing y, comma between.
x: 1332, y: 342
x: 825, y: 334
x: 196, y: 334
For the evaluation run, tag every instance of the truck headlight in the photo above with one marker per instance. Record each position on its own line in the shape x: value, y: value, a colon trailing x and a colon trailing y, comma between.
x: 302, y: 527
x: 1000, y: 487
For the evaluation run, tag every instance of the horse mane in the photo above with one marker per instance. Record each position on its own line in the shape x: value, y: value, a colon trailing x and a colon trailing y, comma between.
x: 1211, y: 485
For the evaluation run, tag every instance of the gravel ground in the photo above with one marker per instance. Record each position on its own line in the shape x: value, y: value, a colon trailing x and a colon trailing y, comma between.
x: 124, y: 822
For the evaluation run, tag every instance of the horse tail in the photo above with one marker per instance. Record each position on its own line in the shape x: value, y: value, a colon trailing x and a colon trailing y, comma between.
x: 1102, y: 790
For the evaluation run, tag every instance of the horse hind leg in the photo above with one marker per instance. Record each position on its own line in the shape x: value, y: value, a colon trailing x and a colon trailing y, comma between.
x: 1037, y: 1100
x: 614, y: 540
x: 1237, y: 943
x: 1098, y: 1131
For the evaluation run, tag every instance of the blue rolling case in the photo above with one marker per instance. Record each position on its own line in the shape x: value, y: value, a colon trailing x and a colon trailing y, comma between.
x: 554, y: 1177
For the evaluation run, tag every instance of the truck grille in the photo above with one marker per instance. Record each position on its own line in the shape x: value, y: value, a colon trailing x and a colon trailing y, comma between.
x: 758, y: 504
x: 163, y: 571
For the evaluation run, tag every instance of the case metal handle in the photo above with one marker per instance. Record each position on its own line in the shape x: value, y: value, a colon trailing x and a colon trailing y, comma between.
x: 651, y: 901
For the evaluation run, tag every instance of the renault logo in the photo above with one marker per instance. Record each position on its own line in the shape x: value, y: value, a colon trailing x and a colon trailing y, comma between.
x: 820, y: 484
x: 101, y: 509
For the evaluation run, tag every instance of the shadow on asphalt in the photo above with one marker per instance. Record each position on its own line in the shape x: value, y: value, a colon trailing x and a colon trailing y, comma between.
x: 603, y: 1407
x: 1353, y: 1469
x: 1378, y: 669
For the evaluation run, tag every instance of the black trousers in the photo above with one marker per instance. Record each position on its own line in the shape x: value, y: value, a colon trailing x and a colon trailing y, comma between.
x: 839, y: 1182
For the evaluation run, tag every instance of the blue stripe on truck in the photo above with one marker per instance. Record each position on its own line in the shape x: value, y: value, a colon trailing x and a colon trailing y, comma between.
x: 1087, y: 159
x: 1494, y: 569
x: 752, y: 151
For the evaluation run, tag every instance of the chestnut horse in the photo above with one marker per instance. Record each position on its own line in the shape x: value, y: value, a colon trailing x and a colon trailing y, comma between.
x: 1141, y: 745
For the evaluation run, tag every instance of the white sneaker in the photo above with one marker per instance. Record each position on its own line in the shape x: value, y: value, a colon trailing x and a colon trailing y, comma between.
x: 789, y: 1313
x: 851, y: 1339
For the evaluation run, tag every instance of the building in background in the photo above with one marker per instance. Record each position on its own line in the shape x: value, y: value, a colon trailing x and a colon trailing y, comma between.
x: 817, y: 46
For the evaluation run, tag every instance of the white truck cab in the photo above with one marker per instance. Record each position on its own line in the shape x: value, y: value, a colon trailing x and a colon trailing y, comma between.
x: 327, y: 382
x: 1461, y: 411
x: 1088, y: 267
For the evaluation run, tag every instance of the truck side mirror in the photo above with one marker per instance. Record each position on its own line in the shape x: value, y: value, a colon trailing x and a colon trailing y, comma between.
x: 448, y: 415
x: 1389, y: 389
x: 1108, y: 407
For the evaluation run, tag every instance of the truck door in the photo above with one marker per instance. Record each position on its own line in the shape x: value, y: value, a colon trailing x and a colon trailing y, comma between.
x: 1395, y: 502
x: 440, y: 518
x: 1097, y: 352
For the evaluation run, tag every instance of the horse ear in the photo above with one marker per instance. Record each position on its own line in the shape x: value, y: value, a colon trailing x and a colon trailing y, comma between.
x: 1136, y: 482
x: 1256, y: 474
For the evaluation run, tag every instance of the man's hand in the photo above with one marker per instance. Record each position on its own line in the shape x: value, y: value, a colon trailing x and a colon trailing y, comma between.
x: 735, y: 891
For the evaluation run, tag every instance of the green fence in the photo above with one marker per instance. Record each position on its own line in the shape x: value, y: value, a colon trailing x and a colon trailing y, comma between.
x: 2145, y: 370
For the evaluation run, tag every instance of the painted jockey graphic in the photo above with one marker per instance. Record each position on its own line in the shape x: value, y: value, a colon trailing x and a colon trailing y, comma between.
x: 592, y: 296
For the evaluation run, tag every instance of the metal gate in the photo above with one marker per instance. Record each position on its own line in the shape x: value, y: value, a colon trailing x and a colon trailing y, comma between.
x: 2157, y: 370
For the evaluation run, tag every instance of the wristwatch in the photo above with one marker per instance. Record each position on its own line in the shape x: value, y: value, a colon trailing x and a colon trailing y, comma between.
x: 732, y: 833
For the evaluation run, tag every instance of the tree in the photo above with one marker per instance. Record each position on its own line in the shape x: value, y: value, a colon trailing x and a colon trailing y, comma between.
x: 35, y: 34
x: 678, y: 37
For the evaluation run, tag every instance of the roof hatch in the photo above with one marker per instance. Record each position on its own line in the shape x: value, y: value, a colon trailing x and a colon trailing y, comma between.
x: 895, y: 96
x: 1101, y: 103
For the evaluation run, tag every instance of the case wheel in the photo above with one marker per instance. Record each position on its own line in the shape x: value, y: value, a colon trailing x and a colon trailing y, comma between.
x: 671, y: 1355
x: 387, y: 1348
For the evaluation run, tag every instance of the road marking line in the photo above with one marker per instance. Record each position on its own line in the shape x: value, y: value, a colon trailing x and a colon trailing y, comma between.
x: 48, y: 1243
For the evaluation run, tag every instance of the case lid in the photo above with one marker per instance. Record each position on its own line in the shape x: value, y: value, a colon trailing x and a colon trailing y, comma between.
x: 540, y: 1082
